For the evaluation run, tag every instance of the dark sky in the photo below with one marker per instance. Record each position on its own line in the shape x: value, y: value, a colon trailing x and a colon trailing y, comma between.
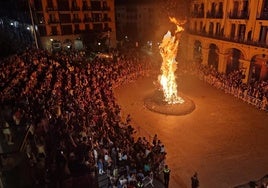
x: 14, y: 9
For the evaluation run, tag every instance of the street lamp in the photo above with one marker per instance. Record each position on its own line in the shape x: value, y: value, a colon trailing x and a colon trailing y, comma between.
x: 32, y: 20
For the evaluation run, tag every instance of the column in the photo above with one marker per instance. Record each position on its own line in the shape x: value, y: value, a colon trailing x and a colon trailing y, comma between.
x: 190, y: 50
x: 222, y: 62
x: 245, y: 66
x: 205, y: 52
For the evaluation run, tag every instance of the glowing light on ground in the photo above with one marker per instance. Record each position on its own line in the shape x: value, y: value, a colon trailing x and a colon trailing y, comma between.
x: 168, y: 50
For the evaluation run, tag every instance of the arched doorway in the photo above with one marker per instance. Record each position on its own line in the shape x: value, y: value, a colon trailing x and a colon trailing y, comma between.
x: 233, y: 63
x: 259, y: 68
x: 213, y: 57
x: 197, y: 51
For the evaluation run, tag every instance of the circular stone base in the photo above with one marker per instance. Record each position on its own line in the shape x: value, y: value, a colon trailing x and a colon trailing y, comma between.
x: 155, y: 103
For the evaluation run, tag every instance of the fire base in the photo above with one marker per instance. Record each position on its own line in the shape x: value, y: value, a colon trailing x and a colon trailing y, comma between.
x: 155, y: 103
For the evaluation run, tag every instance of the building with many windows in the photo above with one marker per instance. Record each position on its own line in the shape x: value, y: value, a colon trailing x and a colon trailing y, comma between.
x: 66, y: 20
x: 230, y: 35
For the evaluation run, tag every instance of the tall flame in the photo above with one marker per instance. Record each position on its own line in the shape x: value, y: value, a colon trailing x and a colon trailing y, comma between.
x: 168, y: 50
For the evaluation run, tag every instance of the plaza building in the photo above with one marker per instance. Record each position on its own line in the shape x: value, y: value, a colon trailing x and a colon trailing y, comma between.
x: 230, y: 35
x: 67, y: 21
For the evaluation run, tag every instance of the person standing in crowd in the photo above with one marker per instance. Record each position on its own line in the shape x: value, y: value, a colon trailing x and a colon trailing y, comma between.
x: 195, y: 181
x: 166, y: 172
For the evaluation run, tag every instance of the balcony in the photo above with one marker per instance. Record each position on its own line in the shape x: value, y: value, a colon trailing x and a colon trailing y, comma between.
x: 230, y: 39
x: 198, y: 14
x: 238, y: 15
x: 216, y: 15
x: 51, y: 9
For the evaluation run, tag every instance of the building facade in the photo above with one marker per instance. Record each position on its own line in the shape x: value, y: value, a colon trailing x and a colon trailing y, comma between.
x: 136, y: 20
x: 230, y: 35
x: 66, y: 20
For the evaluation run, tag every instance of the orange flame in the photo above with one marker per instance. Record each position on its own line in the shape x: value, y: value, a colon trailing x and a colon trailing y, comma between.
x: 168, y: 50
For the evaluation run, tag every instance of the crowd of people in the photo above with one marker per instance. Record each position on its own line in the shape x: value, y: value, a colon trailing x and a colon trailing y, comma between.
x: 76, y: 126
x: 254, y: 93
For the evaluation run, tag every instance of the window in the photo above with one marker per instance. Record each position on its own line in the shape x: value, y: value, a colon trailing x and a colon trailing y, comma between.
x: 263, y: 34
x: 66, y: 29
x: 201, y: 26
x: 96, y: 5
x: 76, y: 29
x: 63, y: 5
x: 42, y: 30
x: 241, y: 31
x: 40, y: 18
x: 97, y: 27
x: 211, y: 28
x: 87, y: 27
x: 232, y: 31
x: 49, y: 4
x: 38, y: 5
x: 96, y: 17
x: 65, y: 18
x: 218, y: 29
x: 265, y: 9
x: 54, y: 30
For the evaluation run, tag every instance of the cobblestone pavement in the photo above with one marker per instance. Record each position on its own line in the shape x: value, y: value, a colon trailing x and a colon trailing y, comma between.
x: 223, y: 139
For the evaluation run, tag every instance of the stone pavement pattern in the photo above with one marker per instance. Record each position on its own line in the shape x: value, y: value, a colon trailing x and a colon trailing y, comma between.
x: 223, y: 139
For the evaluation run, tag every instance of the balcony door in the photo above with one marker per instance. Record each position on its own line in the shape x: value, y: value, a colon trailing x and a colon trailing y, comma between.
x: 263, y: 35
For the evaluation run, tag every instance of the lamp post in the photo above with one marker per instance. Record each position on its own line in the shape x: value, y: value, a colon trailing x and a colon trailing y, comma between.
x: 32, y: 20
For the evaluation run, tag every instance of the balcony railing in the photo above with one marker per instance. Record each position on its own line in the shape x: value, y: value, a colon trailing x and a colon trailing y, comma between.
x: 238, y: 15
x: 50, y: 21
x: 230, y: 39
x: 51, y: 9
